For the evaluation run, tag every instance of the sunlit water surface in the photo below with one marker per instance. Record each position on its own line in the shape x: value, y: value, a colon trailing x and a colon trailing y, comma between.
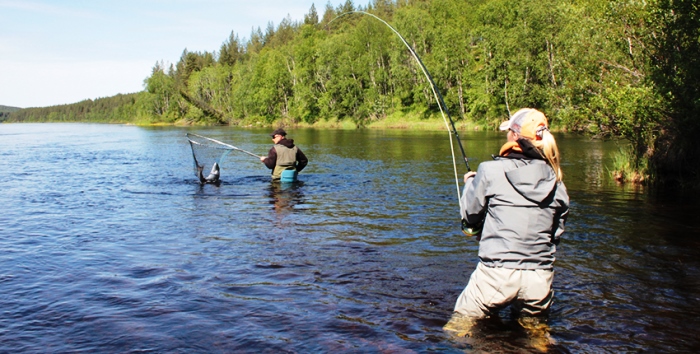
x: 109, y: 244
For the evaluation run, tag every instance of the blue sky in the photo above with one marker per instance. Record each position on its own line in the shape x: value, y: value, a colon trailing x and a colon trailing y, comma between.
x: 65, y: 51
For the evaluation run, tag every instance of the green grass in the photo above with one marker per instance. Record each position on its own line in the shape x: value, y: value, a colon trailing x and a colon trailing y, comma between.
x: 624, y: 169
x: 395, y: 121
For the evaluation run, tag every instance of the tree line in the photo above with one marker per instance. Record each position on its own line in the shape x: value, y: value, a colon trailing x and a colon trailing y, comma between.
x: 612, y: 69
x: 5, y: 112
x: 122, y: 108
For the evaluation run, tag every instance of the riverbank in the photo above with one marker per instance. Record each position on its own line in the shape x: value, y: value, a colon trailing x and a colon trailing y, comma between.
x: 395, y: 121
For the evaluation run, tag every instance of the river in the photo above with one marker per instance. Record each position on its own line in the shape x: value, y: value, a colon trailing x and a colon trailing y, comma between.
x: 109, y: 244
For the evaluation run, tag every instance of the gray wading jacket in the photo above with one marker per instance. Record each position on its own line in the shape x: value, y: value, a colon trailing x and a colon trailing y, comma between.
x: 523, y: 208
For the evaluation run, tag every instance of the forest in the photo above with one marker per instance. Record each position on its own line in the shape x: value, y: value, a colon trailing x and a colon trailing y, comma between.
x: 5, y: 112
x: 608, y: 69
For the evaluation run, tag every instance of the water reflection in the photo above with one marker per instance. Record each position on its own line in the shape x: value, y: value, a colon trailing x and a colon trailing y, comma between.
x: 503, y: 335
x: 285, y: 196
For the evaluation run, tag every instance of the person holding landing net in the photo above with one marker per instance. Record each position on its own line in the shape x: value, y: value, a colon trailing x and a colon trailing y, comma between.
x: 284, y: 156
x: 519, y: 204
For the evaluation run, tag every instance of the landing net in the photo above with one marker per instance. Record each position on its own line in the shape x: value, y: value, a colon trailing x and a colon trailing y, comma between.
x: 206, y: 152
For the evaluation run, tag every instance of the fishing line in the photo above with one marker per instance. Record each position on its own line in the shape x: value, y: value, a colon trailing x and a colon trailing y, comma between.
x: 441, y: 104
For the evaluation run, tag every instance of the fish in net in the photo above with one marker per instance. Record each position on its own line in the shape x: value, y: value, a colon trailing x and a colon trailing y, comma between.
x: 206, y: 152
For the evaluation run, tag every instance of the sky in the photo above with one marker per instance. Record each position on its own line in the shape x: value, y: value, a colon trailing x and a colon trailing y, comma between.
x: 66, y: 51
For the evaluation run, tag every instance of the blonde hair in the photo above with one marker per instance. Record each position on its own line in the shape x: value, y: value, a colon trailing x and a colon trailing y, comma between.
x: 548, y: 147
x: 533, y: 125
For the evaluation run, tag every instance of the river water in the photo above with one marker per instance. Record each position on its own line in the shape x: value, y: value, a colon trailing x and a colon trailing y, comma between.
x: 109, y: 244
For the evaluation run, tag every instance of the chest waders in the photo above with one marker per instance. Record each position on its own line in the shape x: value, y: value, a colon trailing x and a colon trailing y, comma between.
x: 286, y: 161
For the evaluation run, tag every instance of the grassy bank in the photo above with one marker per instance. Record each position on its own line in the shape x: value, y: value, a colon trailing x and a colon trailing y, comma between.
x: 395, y: 121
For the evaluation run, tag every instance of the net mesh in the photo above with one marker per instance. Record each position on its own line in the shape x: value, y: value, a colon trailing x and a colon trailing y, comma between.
x: 208, y: 157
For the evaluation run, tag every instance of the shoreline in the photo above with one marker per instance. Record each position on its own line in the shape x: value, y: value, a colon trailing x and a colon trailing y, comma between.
x: 395, y: 122
x: 429, y: 124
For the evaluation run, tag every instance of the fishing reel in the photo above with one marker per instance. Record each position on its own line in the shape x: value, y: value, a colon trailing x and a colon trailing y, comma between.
x: 470, y: 230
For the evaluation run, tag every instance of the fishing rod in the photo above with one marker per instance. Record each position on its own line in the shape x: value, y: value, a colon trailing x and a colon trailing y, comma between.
x: 222, y: 143
x: 441, y: 104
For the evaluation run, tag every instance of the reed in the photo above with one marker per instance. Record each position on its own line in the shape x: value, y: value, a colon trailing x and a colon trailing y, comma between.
x: 627, y: 168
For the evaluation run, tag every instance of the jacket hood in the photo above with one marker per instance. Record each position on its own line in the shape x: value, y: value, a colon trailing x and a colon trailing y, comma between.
x: 535, y: 181
x: 287, y: 142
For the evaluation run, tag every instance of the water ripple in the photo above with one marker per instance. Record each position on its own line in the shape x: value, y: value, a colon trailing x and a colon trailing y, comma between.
x: 115, y: 247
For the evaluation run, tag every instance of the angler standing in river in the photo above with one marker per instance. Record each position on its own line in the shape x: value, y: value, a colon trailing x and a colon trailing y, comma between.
x: 520, y: 204
x: 284, y: 155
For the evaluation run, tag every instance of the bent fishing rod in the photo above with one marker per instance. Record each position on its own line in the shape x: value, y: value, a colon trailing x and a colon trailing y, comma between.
x: 441, y: 104
x: 224, y: 144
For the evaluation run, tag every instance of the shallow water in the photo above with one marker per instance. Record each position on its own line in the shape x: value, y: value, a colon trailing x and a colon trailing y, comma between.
x: 109, y: 244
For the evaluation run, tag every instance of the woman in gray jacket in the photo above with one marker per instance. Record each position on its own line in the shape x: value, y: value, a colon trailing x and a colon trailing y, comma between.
x: 519, y: 203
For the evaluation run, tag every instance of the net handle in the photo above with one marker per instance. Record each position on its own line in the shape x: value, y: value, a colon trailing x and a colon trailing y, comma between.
x: 224, y: 144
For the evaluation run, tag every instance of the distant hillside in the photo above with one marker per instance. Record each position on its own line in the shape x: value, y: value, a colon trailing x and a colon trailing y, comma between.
x: 8, y: 109
x: 121, y: 108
